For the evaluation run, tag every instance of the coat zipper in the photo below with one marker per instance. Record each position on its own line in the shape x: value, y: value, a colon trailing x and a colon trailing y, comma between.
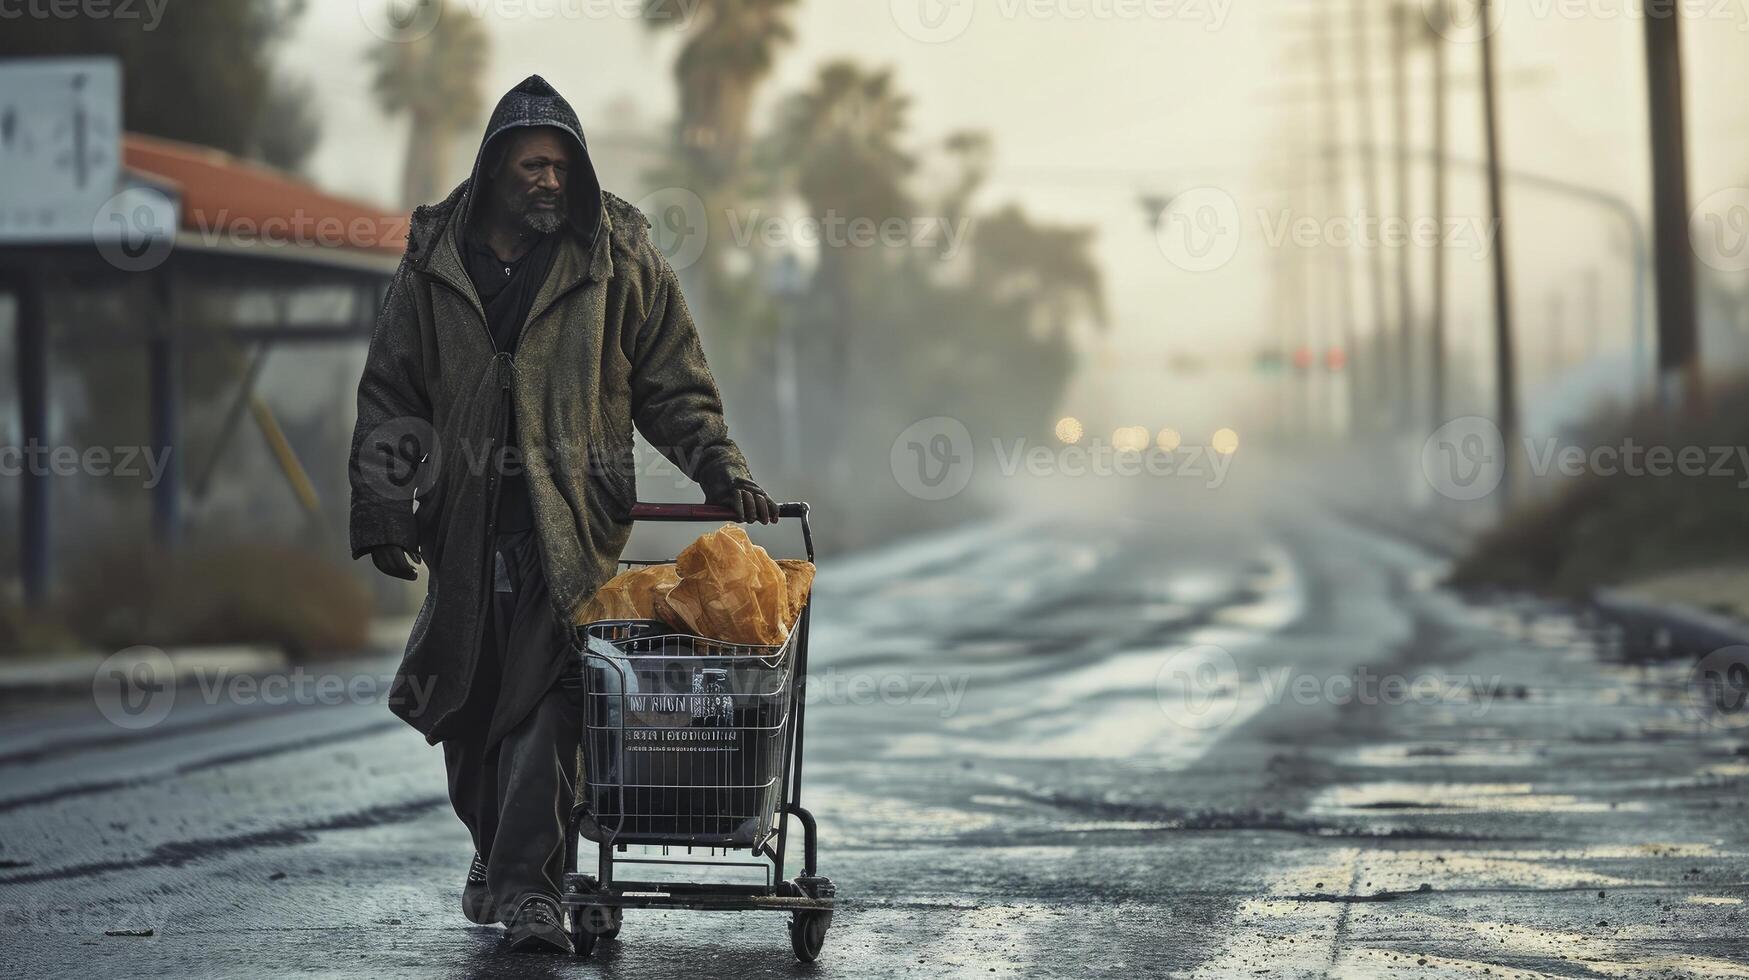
x: 505, y: 366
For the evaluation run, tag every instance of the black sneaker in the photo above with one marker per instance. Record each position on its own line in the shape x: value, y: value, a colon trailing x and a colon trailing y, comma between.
x: 476, y: 900
x: 538, y: 927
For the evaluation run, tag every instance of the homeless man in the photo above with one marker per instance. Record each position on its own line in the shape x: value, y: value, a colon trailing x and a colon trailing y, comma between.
x: 531, y: 324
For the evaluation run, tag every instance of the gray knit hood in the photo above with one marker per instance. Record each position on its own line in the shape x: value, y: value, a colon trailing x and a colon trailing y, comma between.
x: 533, y: 102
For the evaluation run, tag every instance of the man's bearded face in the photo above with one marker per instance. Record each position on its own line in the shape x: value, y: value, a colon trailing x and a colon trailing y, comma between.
x: 530, y: 183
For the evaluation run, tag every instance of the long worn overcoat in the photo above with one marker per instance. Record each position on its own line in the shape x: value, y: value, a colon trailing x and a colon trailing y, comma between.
x: 608, y: 344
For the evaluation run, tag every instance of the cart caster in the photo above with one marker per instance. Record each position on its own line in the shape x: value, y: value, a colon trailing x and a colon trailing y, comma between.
x: 594, y: 922
x: 807, y: 933
x: 582, y: 940
x: 604, y: 920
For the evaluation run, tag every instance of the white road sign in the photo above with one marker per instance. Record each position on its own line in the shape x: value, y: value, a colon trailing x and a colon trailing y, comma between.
x: 60, y: 146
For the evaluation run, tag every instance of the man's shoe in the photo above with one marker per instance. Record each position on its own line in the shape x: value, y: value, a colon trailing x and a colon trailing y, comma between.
x: 538, y: 927
x: 476, y: 900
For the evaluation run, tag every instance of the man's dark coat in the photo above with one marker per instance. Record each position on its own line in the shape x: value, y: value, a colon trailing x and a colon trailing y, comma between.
x: 609, y: 343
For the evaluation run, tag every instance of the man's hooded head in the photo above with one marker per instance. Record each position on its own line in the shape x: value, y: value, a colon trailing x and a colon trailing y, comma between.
x: 534, y: 163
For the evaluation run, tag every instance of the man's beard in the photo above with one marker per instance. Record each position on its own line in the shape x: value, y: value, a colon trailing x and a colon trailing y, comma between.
x: 542, y: 221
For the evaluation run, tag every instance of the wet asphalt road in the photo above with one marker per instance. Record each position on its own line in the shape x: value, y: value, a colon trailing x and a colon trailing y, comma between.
x: 1037, y: 746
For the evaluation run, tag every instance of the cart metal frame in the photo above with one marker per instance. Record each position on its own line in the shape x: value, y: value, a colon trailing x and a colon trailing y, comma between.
x: 595, y: 902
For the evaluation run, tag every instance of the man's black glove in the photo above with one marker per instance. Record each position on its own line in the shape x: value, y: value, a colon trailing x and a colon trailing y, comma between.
x: 750, y: 504
x: 392, y: 559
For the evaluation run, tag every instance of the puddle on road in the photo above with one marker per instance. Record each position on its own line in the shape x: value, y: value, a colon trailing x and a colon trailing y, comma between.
x: 1617, y: 952
x: 1423, y: 798
x: 1443, y: 754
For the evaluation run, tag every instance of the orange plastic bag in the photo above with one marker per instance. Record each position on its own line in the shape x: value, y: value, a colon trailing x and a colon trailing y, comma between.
x: 798, y: 576
x: 729, y: 590
x: 629, y: 595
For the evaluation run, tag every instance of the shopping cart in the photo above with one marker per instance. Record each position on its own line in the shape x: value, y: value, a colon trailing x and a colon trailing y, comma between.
x: 692, y: 748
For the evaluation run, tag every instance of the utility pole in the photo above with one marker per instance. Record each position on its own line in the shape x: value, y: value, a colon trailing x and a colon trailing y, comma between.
x: 1341, y: 306
x: 1436, y: 315
x: 1678, y: 335
x: 1405, y: 405
x: 1384, y: 386
x: 1505, y: 377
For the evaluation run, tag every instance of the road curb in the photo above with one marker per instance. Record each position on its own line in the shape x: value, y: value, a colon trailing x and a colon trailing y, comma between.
x: 1668, y: 628
x: 75, y: 672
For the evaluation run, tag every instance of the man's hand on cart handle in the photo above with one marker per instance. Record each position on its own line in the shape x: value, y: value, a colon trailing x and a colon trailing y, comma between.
x: 392, y: 559
x: 751, y: 504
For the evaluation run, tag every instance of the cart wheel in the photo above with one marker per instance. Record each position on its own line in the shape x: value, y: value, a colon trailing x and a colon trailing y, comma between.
x: 599, y: 921
x: 582, y: 940
x: 610, y: 922
x: 807, y: 933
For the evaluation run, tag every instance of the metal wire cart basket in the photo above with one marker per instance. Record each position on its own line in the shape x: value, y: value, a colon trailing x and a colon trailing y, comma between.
x: 692, y: 747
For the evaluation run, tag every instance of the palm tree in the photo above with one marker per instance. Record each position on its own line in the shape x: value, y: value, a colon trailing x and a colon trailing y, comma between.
x: 1048, y: 270
x: 837, y: 147
x: 729, y: 51
x: 435, y: 79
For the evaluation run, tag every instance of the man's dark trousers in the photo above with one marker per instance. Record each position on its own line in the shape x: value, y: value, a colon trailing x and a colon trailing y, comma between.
x: 515, y: 796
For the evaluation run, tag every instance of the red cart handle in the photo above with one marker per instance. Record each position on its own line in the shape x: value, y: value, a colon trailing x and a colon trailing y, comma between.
x: 704, y: 512
x: 711, y: 512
